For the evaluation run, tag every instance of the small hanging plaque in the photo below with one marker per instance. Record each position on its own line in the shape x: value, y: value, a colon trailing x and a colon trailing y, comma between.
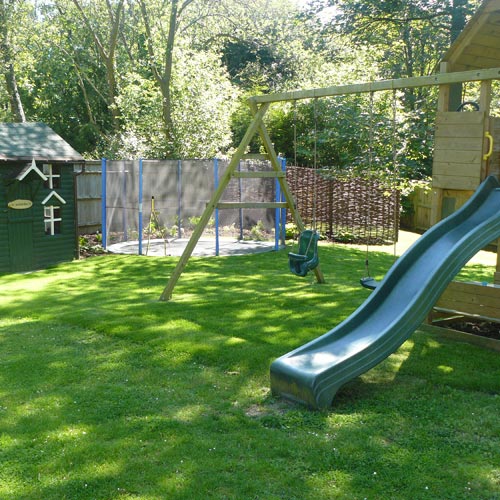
x: 20, y: 204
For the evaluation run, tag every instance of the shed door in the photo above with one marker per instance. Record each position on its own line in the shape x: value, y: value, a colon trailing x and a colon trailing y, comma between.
x: 20, y: 223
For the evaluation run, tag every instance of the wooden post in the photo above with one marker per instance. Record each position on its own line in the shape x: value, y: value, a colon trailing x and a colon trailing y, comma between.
x: 443, y: 106
x: 444, y: 91
x: 436, y: 206
x: 485, y: 105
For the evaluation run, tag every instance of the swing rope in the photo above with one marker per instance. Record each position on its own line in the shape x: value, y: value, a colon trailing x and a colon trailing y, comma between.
x: 368, y: 281
x: 295, y: 133
x: 395, y: 167
x: 315, y: 161
x: 370, y: 178
x: 307, y: 257
x: 315, y: 165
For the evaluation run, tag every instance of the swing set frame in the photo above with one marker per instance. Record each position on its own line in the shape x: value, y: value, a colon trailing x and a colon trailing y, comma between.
x: 259, y: 105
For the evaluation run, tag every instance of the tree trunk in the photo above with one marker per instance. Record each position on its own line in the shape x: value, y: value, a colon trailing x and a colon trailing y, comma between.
x: 16, y: 105
x: 7, y: 61
x: 163, y: 75
x: 167, y: 76
x: 107, y: 51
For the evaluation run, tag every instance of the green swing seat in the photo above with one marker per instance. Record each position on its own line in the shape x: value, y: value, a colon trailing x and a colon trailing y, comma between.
x: 306, y: 258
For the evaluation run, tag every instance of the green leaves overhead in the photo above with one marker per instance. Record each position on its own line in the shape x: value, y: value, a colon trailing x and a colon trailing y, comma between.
x: 169, y: 78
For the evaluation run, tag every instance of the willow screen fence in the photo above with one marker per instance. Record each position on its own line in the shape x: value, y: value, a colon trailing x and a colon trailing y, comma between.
x: 355, y: 209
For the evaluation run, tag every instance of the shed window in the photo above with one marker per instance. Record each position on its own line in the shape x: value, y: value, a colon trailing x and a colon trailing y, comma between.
x: 52, y: 220
x: 53, y: 174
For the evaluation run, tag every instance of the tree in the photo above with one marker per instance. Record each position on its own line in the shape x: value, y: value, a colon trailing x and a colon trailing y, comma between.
x: 105, y: 36
x: 410, y: 35
x: 202, y: 103
x: 161, y: 59
x: 9, y: 12
x: 399, y: 38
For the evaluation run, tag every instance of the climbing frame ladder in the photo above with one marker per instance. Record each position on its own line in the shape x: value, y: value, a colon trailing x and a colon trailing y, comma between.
x: 256, y: 126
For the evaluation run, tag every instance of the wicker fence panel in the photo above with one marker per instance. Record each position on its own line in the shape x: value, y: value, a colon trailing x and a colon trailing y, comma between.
x: 356, y: 209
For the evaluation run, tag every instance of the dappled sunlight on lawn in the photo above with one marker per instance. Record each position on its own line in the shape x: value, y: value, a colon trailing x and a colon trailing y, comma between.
x: 108, y: 393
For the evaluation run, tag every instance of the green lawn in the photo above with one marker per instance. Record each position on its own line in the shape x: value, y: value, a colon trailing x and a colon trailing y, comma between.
x: 106, y: 393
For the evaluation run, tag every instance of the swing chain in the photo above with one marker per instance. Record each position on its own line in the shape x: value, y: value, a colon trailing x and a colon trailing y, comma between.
x: 315, y: 161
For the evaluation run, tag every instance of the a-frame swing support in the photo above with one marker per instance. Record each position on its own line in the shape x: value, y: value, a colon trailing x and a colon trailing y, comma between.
x: 256, y: 126
x: 259, y: 106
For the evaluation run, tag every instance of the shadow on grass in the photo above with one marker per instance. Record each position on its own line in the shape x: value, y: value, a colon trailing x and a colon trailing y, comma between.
x: 108, y: 393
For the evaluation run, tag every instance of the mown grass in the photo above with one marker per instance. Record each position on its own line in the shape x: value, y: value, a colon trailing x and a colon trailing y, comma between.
x: 107, y: 393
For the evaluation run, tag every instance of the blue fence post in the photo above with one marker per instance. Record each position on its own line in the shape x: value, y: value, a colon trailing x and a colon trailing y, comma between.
x: 123, y: 200
x: 140, y: 205
x: 216, y: 186
x: 103, y: 203
x: 179, y: 198
x: 240, y: 192
x: 283, y: 210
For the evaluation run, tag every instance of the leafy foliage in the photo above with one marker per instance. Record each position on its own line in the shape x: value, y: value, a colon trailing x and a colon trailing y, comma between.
x: 170, y: 78
x: 356, y: 134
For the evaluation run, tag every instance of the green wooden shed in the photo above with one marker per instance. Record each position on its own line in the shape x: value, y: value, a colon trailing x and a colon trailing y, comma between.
x: 37, y: 197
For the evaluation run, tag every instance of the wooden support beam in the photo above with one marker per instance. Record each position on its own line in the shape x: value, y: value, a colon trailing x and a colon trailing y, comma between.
x: 436, y: 206
x: 255, y: 156
x: 205, y: 218
x: 398, y: 83
x: 444, y: 91
x: 251, y: 204
x: 485, y: 105
x: 258, y: 175
x: 485, y: 97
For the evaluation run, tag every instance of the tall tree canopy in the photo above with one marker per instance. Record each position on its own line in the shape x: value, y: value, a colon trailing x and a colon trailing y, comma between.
x: 410, y: 34
x: 169, y: 78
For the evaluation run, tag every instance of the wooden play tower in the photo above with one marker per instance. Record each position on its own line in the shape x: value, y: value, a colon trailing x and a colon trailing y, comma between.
x: 467, y: 148
x: 467, y: 137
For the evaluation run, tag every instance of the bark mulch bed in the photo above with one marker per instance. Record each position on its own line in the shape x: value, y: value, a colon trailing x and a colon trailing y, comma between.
x: 474, y: 326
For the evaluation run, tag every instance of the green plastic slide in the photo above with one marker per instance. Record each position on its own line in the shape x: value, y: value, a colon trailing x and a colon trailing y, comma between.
x: 313, y: 373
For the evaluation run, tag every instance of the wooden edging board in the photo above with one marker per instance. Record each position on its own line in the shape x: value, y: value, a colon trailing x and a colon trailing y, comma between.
x: 458, y: 336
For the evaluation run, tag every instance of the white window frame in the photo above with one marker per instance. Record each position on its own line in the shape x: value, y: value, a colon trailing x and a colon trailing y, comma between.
x: 50, y: 220
x: 49, y: 173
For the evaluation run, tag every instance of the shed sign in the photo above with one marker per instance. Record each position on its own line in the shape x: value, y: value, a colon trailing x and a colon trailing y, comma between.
x: 20, y: 204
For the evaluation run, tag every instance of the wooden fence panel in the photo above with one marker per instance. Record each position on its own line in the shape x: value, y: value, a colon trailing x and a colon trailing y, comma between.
x: 88, y: 188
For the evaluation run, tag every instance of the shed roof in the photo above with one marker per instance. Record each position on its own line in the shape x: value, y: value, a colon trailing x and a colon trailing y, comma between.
x: 25, y: 141
x: 478, y: 45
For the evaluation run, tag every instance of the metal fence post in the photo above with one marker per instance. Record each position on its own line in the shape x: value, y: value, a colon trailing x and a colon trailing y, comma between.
x: 240, y: 194
x: 103, y: 203
x: 179, y: 198
x: 216, y: 185
x: 277, y: 212
x: 140, y: 205
x: 283, y: 210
